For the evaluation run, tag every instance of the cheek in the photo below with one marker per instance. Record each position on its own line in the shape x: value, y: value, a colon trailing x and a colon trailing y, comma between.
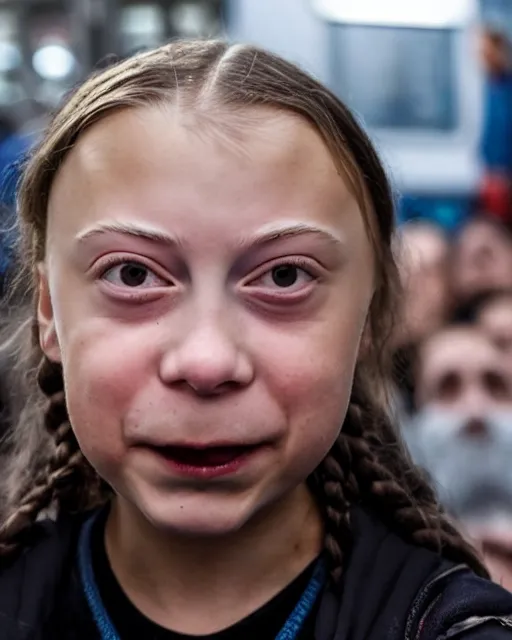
x: 309, y: 372
x: 103, y: 372
x: 313, y: 395
x: 305, y: 373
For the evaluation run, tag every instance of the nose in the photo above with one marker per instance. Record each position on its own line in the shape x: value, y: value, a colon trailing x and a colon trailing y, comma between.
x: 475, y: 402
x: 475, y: 427
x: 209, y: 360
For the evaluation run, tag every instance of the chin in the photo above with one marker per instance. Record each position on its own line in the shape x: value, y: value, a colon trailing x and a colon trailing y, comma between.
x: 203, y: 515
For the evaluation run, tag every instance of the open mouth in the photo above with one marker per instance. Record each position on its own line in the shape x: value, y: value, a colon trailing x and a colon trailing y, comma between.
x: 207, y: 457
x: 206, y: 462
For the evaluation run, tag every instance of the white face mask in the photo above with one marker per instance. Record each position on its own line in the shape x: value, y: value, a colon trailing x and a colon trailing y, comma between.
x: 472, y: 473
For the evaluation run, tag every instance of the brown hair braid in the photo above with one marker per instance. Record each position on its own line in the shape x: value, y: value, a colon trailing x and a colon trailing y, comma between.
x: 336, y: 489
x: 66, y: 480
x: 366, y: 466
x: 214, y: 80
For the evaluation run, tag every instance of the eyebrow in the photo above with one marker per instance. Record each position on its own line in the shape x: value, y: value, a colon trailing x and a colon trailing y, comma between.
x: 278, y: 232
x: 130, y: 229
x: 267, y: 235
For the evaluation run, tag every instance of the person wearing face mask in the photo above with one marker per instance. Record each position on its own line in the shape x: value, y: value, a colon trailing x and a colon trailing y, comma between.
x: 462, y: 436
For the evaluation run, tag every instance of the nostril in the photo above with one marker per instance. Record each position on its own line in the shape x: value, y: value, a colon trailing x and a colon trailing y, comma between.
x: 475, y: 428
x: 204, y: 390
x: 212, y: 392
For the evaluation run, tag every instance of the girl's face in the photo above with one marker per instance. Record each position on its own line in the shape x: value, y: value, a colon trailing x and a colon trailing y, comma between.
x: 205, y: 288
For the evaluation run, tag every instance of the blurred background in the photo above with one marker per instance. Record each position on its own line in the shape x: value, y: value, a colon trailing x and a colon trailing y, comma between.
x: 431, y: 81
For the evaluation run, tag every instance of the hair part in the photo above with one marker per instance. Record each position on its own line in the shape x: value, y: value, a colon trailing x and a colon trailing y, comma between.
x: 367, y: 464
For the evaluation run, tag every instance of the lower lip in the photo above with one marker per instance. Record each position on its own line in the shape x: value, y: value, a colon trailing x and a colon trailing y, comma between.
x: 207, y: 472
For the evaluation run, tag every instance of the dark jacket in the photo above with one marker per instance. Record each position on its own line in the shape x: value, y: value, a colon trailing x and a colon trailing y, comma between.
x: 391, y: 591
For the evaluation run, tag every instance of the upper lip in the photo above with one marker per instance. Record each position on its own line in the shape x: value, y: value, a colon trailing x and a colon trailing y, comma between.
x: 202, y: 446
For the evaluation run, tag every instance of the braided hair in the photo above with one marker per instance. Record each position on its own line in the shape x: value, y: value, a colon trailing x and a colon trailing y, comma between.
x: 64, y: 479
x: 367, y: 464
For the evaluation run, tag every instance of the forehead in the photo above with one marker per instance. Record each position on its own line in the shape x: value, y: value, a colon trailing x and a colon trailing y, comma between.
x: 248, y: 169
x: 464, y: 351
x: 423, y: 245
x: 481, y: 234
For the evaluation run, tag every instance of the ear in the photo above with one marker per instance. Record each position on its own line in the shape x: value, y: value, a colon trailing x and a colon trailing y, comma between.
x: 45, y: 320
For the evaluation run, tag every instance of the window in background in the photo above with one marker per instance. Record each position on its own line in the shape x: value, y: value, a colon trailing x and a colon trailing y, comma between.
x: 498, y: 14
x: 11, y: 60
x: 396, y: 78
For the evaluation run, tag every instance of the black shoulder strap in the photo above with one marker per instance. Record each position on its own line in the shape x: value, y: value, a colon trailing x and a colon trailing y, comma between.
x: 383, y: 576
x: 427, y: 599
x: 458, y: 602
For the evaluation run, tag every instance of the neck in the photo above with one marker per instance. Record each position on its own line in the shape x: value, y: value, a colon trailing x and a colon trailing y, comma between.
x: 170, y: 578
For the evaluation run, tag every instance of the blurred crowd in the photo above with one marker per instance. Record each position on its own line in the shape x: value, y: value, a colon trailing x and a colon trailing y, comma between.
x: 453, y: 342
x: 452, y: 346
x: 453, y: 372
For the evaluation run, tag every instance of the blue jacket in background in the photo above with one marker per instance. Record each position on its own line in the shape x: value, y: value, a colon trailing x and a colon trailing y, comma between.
x: 13, y: 150
x: 496, y: 142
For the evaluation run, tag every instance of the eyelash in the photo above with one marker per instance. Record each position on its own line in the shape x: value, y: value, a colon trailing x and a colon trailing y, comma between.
x: 111, y: 262
x: 298, y: 262
x: 304, y: 264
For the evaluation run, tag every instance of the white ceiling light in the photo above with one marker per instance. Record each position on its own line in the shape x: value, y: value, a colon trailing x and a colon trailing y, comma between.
x: 434, y: 14
x: 53, y: 62
x: 190, y: 18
